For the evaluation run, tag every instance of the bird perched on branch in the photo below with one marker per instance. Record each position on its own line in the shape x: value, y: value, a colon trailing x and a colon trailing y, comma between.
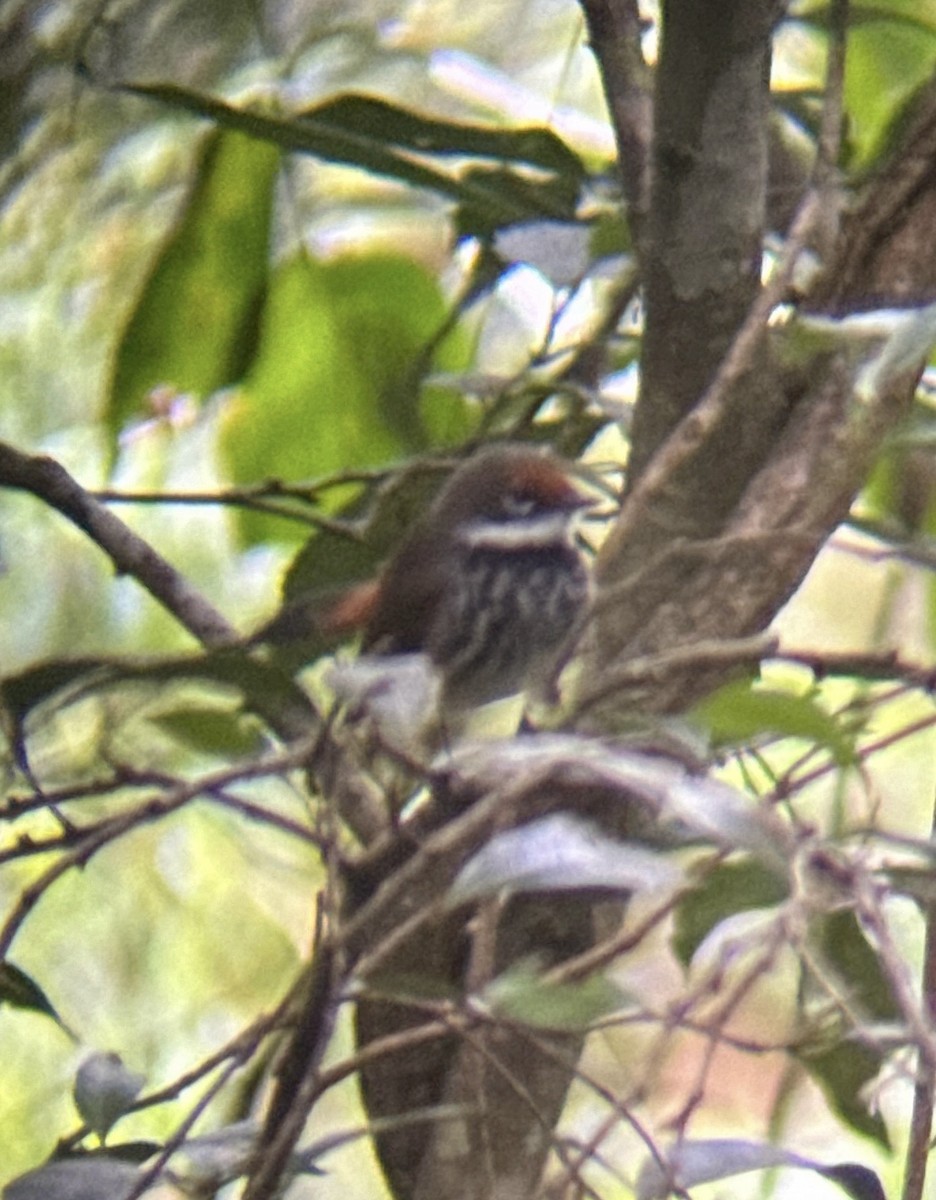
x: 491, y: 584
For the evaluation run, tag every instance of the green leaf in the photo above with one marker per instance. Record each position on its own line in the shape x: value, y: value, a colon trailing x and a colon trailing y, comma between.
x: 192, y: 328
x: 336, y: 378
x: 20, y: 694
x: 731, y: 888
x: 890, y: 54
x: 381, y: 137
x: 393, y: 125
x: 211, y: 731
x: 844, y: 947
x: 263, y: 688
x: 20, y: 991
x: 522, y: 994
x: 842, y: 1071
x: 743, y: 710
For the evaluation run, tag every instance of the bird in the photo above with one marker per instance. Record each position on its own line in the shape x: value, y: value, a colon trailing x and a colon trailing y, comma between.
x: 491, y: 584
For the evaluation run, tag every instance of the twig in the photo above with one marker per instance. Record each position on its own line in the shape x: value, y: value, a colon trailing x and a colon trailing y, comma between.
x: 242, y: 1046
x: 653, y: 667
x: 614, y: 29
x: 787, y: 786
x: 297, y: 1085
x: 882, y: 665
x: 48, y: 480
x: 260, y: 498
x: 153, y: 1172
x: 111, y: 828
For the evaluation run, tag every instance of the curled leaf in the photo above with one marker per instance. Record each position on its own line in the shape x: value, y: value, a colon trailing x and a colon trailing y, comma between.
x: 561, y: 852
x: 104, y: 1090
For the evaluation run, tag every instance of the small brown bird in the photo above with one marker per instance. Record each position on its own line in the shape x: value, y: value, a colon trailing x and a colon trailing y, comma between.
x: 490, y: 584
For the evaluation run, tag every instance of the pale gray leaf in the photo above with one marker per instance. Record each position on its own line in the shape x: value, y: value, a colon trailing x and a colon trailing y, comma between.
x: 399, y: 693
x: 213, y: 1159
x: 561, y: 852
x: 695, y: 805
x: 884, y: 343
x: 559, y: 250
x: 104, y: 1090
x: 691, y: 1163
x: 96, y: 1178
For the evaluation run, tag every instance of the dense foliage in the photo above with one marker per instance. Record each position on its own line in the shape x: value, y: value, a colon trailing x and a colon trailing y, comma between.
x: 267, y: 272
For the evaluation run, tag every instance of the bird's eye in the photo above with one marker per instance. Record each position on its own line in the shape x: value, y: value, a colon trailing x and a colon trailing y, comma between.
x: 518, y: 504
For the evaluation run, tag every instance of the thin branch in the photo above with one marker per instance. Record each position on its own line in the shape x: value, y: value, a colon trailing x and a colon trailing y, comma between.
x: 28, y: 846
x: 919, y: 550
x: 697, y: 426
x: 297, y: 1085
x: 153, y: 1172
x: 654, y: 667
x: 614, y: 29
x: 884, y: 665
x: 16, y: 806
x: 48, y: 480
x: 241, y: 1047
x: 256, y: 499
x: 787, y: 786
x: 108, y: 830
x: 832, y: 122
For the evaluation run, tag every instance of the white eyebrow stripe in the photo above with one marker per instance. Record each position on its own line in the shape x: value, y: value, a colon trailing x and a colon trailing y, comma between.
x: 506, y: 535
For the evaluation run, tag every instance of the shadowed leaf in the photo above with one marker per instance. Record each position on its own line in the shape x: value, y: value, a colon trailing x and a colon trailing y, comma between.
x: 192, y: 327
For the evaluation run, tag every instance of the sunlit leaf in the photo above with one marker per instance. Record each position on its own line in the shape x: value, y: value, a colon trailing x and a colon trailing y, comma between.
x: 337, y: 375
x: 890, y: 53
x: 399, y: 692
x: 559, y: 250
x: 193, y: 327
x: 688, y: 805
x: 740, y: 711
x: 213, y: 1159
